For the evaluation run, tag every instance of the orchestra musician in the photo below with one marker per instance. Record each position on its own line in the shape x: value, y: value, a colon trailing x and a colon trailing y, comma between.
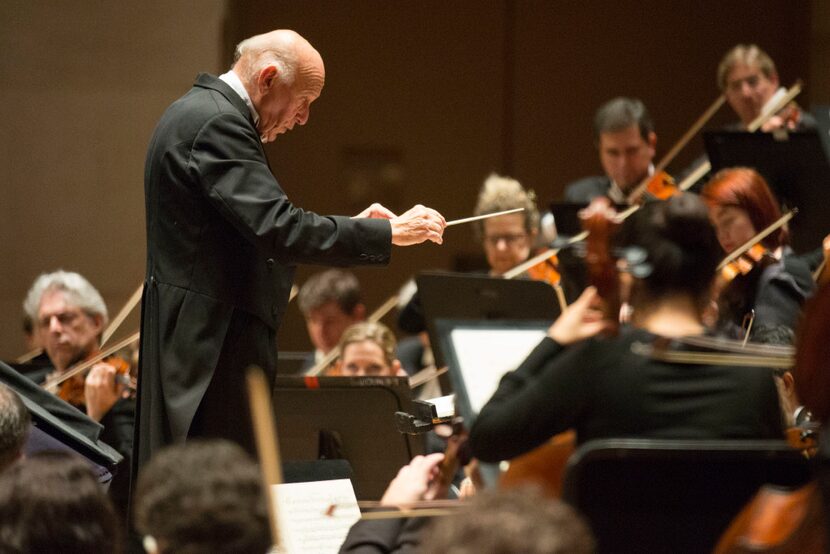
x: 223, y: 241
x: 507, y: 241
x: 69, y: 317
x: 741, y: 205
x: 330, y: 302
x: 577, y: 378
x: 748, y: 78
x: 367, y: 349
x: 626, y: 142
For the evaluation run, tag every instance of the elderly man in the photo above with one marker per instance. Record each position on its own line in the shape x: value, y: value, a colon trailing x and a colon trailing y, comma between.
x: 748, y: 78
x: 626, y: 141
x: 223, y: 240
x: 330, y: 303
x: 69, y: 317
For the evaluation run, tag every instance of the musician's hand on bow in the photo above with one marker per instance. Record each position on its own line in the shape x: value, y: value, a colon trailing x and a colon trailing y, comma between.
x: 101, y: 390
x: 416, y: 225
x: 580, y: 320
x: 376, y: 211
x: 416, y: 481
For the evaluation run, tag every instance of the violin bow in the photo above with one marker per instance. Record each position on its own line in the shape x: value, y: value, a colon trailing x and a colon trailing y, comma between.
x: 744, y: 248
x: 267, y: 445
x: 635, y: 194
x: 52, y: 384
x: 765, y: 116
x: 128, y: 307
x: 712, y: 358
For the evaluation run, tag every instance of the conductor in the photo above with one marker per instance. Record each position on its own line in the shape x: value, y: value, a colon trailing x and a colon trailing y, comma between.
x: 223, y: 240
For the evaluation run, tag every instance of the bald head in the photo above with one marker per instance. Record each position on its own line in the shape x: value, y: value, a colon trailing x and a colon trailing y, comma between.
x: 283, y: 75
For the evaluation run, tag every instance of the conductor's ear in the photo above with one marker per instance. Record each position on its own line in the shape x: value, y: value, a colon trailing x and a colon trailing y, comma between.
x: 267, y: 77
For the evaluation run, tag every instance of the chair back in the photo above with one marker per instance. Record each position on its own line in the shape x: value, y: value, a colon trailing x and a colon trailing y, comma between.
x: 661, y: 495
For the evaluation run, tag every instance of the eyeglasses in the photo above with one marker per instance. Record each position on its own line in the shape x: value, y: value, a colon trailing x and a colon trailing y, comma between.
x: 64, y: 318
x: 509, y: 240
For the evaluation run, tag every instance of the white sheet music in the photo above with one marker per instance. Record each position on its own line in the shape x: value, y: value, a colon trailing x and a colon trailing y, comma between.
x: 301, y: 510
x: 485, y: 355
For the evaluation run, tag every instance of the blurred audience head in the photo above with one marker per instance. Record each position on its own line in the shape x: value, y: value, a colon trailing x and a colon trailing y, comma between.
x: 202, y: 496
x: 52, y: 503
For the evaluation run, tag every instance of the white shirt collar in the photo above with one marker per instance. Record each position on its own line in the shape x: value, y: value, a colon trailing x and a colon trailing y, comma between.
x: 616, y: 194
x: 233, y: 81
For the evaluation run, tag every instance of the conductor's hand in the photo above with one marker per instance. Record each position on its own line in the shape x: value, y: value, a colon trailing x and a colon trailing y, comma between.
x: 101, y: 390
x: 416, y: 481
x: 417, y: 225
x: 376, y: 211
x: 579, y: 321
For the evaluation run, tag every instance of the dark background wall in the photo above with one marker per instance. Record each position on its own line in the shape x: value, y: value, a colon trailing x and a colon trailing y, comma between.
x: 422, y: 100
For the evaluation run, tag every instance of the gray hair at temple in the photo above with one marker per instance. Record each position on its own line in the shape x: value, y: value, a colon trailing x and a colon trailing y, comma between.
x: 14, y: 426
x: 259, y: 51
x: 498, y: 194
x: 746, y: 54
x: 333, y: 285
x: 621, y: 113
x: 78, y: 291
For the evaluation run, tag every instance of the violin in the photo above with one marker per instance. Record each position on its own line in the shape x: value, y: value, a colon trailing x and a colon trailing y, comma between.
x: 77, y: 373
x: 661, y: 186
x: 734, y: 283
x: 72, y: 390
x: 546, y: 271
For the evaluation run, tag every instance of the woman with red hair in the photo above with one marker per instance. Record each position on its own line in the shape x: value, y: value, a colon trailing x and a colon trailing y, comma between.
x: 740, y: 206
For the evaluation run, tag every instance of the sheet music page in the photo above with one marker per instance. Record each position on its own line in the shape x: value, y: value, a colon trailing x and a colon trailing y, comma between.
x: 304, y: 525
x: 485, y: 355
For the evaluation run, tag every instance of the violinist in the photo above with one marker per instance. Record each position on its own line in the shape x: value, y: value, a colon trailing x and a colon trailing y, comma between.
x: 576, y: 378
x: 774, y: 289
x: 749, y: 79
x: 626, y: 141
x: 330, y: 302
x: 507, y: 241
x: 69, y: 317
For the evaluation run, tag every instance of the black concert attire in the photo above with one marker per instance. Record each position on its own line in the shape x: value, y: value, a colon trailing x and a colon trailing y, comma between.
x: 600, y: 388
x: 223, y: 241
x: 776, y: 292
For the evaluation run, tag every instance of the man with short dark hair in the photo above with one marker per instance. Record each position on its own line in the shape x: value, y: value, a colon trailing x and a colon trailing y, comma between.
x: 626, y: 141
x: 202, y: 496
x: 14, y: 426
x: 748, y: 78
x: 330, y: 302
x: 52, y: 502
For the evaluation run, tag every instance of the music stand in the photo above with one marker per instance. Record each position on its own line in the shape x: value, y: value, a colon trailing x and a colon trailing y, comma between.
x: 57, y: 425
x: 822, y: 116
x: 479, y: 353
x: 351, y: 418
x: 796, y: 167
x: 478, y: 297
